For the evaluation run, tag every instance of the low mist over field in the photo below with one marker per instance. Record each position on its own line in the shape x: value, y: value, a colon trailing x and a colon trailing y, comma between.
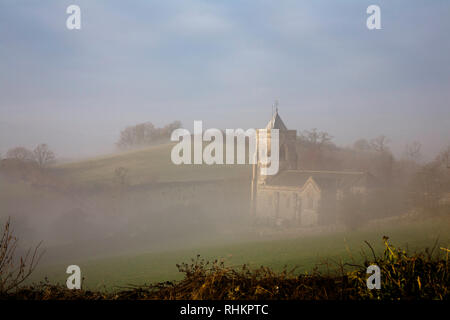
x: 137, y: 201
x: 92, y: 118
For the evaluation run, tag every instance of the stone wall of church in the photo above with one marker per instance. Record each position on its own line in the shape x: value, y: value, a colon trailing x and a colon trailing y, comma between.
x: 310, y: 199
x: 299, y: 208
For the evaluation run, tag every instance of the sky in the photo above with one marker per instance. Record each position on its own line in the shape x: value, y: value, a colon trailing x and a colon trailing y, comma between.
x: 225, y: 63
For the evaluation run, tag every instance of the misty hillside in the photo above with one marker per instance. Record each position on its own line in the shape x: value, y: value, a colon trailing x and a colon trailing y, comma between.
x: 125, y: 201
x: 145, y: 166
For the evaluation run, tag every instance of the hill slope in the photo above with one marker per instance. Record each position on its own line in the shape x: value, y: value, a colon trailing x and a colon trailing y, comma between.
x: 148, y: 165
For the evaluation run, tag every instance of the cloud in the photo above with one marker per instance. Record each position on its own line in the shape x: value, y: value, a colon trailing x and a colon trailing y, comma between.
x: 195, y: 23
x: 160, y: 60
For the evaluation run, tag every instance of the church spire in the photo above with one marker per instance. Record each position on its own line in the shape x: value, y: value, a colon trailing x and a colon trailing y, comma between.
x: 276, y: 122
x: 275, y: 106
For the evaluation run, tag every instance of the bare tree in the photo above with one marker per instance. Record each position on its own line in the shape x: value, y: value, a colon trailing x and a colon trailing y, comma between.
x: 428, y: 185
x: 413, y: 151
x: 121, y: 178
x: 362, y: 145
x: 12, y: 275
x: 380, y: 144
x: 20, y: 153
x: 145, y: 134
x: 316, y: 138
x: 444, y: 157
x: 43, y: 155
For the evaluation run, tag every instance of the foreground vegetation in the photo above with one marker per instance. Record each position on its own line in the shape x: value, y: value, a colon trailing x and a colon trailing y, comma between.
x: 305, y: 251
x: 422, y: 275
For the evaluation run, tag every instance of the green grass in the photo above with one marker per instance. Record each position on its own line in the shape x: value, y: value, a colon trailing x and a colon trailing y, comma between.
x: 145, y: 166
x: 153, y: 164
x: 303, y: 252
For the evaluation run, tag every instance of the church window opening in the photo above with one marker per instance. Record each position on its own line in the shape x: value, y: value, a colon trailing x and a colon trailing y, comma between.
x: 310, y: 201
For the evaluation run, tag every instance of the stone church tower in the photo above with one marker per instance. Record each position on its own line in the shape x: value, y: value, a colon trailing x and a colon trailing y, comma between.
x: 287, y: 152
x: 303, y: 198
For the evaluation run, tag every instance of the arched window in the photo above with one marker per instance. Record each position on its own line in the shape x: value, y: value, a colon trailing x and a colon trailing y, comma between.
x: 310, y: 201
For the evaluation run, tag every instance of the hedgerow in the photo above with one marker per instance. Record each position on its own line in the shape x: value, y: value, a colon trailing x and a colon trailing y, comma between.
x: 421, y: 275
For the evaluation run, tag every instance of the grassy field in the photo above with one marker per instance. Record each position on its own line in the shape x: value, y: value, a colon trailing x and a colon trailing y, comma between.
x: 152, y: 164
x: 303, y: 252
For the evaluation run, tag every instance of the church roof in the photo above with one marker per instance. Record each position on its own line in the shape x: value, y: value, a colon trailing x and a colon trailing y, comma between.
x: 276, y: 123
x: 324, y: 179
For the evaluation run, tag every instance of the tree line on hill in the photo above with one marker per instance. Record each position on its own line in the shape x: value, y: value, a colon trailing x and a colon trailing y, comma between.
x: 405, y: 183
x: 41, y: 156
x: 406, y: 180
x: 145, y: 134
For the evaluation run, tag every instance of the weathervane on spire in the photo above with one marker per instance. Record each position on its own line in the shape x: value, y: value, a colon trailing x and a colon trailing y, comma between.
x: 275, y: 106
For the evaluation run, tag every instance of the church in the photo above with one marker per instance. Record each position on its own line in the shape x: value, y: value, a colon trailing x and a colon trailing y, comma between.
x: 300, y: 197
